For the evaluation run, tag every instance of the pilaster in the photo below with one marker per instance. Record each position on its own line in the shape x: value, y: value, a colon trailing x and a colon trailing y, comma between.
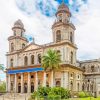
x: 29, y: 85
x: 44, y: 79
x: 22, y: 83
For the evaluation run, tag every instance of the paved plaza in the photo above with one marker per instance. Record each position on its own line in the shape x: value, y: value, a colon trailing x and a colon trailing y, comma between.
x: 10, y: 96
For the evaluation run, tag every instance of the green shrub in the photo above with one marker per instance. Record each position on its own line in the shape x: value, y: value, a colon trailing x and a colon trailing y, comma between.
x: 3, y: 87
x: 54, y: 97
x: 60, y: 91
x: 87, y: 94
x: 43, y: 91
x: 34, y: 94
x: 82, y: 94
x: 54, y: 92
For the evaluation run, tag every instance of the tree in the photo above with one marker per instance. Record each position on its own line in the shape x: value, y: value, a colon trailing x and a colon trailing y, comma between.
x: 1, y: 67
x: 51, y: 61
x: 3, y: 87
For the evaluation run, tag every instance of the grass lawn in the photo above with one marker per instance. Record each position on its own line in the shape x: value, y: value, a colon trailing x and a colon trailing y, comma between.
x: 89, y: 98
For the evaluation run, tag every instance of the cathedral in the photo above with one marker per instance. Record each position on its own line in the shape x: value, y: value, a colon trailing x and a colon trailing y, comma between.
x: 24, y: 72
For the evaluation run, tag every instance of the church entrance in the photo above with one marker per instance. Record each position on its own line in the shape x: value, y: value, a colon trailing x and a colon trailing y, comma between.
x: 25, y: 87
x: 32, y: 87
x: 19, y: 88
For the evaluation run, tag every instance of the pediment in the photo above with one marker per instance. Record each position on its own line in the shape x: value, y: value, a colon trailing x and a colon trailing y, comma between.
x: 32, y: 46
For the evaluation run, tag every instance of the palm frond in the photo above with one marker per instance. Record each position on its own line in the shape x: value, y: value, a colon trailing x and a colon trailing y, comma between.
x: 1, y: 67
x: 51, y: 60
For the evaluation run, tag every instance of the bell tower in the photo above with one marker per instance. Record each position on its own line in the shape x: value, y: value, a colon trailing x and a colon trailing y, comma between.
x: 63, y: 29
x: 63, y: 32
x: 17, y: 41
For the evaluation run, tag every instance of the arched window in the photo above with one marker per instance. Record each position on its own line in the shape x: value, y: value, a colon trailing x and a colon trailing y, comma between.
x: 71, y: 86
x: 87, y: 87
x: 47, y: 84
x: 78, y: 86
x: 58, y: 51
x: 71, y: 58
x: 14, y: 32
x: 19, y: 84
x: 11, y: 62
x: 12, y: 85
x: 39, y: 58
x: 58, y: 84
x: 58, y: 36
x: 91, y: 87
x: 25, y: 60
x: 60, y: 18
x: 84, y: 68
x: 83, y: 87
x: 12, y: 46
x: 23, y: 45
x: 32, y: 59
x: 21, y: 33
x: 71, y: 37
x: 92, y: 68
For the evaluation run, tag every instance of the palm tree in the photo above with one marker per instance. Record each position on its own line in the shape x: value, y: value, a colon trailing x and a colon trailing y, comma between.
x: 1, y: 67
x: 50, y: 61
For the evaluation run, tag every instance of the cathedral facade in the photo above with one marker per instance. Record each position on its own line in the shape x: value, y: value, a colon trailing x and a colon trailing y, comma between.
x: 24, y: 72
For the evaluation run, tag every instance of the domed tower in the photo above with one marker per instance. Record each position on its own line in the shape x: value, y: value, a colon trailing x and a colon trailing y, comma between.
x: 63, y: 32
x: 17, y: 41
x: 63, y: 29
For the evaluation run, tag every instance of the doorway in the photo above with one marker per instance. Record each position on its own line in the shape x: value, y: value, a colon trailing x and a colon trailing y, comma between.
x: 25, y: 87
x: 19, y: 88
x: 32, y: 87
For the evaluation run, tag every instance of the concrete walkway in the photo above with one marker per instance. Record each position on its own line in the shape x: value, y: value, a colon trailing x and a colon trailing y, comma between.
x: 12, y: 96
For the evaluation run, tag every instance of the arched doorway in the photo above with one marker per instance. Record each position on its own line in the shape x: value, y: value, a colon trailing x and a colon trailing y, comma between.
x: 25, y: 87
x: 32, y: 87
x: 78, y: 87
x: 58, y: 84
x: 19, y: 88
x: 47, y: 84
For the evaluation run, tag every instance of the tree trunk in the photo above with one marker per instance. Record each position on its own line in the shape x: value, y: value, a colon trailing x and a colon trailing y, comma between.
x: 52, y: 78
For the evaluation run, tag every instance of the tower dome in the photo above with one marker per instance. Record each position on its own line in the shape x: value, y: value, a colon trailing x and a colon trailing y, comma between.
x: 19, y: 24
x: 63, y: 8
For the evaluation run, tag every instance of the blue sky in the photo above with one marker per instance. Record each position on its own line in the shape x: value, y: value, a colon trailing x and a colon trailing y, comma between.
x: 46, y: 7
x: 38, y: 17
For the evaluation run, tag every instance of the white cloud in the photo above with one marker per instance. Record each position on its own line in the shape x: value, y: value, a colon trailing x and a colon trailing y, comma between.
x: 38, y: 25
x: 88, y: 32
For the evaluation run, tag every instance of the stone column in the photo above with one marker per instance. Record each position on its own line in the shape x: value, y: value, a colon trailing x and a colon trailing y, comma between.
x: 29, y: 85
x: 74, y: 82
x: 36, y: 81
x: 66, y: 79
x: 9, y: 83
x: 62, y: 79
x: 22, y: 90
x: 44, y: 79
x: 15, y: 84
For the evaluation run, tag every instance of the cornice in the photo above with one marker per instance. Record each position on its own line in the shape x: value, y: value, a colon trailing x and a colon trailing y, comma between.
x: 57, y: 24
x: 17, y: 37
